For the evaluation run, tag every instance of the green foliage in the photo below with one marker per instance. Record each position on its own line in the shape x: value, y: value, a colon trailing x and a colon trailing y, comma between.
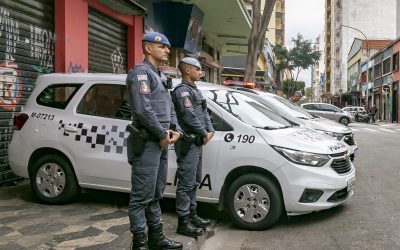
x: 290, y: 86
x: 301, y: 56
x: 308, y: 93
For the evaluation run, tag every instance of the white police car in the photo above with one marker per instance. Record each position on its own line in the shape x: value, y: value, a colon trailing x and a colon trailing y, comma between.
x: 303, y: 118
x: 71, y: 135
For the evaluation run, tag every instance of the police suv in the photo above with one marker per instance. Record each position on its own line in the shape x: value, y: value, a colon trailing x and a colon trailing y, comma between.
x: 303, y: 118
x: 73, y: 132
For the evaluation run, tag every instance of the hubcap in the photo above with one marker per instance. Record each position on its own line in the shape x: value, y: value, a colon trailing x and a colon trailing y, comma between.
x: 251, y: 203
x: 50, y: 180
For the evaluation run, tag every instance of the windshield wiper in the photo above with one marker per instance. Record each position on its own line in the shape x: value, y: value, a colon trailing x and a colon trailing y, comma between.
x: 272, y: 128
x: 303, y: 118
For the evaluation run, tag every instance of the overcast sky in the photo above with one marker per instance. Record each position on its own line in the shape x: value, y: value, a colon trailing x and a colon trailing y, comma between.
x: 307, y: 18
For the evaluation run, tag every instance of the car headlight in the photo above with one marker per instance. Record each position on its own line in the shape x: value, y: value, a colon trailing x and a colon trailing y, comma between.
x: 338, y: 136
x: 303, y: 158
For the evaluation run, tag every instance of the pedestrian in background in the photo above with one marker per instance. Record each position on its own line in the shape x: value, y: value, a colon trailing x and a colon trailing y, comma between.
x: 152, y: 116
x: 296, y: 96
x: 372, y: 112
x: 191, y: 109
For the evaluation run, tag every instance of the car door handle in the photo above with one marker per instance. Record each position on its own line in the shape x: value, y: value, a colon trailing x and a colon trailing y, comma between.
x: 70, y: 129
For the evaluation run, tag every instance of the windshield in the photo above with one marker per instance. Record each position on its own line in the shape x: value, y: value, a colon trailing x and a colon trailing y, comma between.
x: 247, y: 109
x: 286, y: 106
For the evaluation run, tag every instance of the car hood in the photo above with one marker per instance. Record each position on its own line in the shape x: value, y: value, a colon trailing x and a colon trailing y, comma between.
x: 324, y: 124
x: 303, y: 139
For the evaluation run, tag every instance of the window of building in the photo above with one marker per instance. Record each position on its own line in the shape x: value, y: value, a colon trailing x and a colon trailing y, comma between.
x: 378, y: 70
x: 208, y: 49
x: 370, y: 74
x: 106, y: 100
x: 386, y: 66
x: 57, y: 95
x: 363, y: 77
x: 395, y: 65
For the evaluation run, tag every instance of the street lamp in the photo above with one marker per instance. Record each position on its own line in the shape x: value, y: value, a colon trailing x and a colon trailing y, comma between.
x: 366, y: 40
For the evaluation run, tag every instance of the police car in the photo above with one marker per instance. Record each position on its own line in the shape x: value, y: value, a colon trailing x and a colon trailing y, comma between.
x: 72, y: 135
x: 303, y: 118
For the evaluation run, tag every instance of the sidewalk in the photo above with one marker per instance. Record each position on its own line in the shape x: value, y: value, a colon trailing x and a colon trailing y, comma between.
x: 97, y: 220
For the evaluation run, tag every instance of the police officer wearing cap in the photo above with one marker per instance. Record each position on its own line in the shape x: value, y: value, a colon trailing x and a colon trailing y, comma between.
x: 193, y: 118
x: 152, y: 114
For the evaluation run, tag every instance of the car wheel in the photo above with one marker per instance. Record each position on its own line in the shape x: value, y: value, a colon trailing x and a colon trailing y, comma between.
x: 344, y: 120
x: 254, y: 202
x: 53, y: 180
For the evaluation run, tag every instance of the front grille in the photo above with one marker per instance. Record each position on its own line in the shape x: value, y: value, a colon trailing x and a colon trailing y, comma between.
x: 339, y: 196
x: 349, y: 140
x: 341, y: 166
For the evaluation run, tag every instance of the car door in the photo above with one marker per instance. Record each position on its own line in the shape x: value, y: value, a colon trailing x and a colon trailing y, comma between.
x: 209, y: 161
x: 327, y: 111
x: 95, y: 135
x: 314, y: 108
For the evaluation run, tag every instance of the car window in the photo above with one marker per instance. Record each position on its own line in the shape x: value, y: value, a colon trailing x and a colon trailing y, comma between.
x: 247, y: 109
x: 106, y: 100
x: 57, y: 95
x: 311, y: 106
x: 325, y: 107
x: 218, y: 123
x: 336, y: 109
x: 287, y: 106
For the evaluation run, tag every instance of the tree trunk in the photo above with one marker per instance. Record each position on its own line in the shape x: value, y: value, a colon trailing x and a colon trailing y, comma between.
x: 257, y: 36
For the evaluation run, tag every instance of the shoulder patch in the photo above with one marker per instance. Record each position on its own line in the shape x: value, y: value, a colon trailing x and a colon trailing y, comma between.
x: 142, y: 77
x: 183, y: 94
x: 187, y: 102
x: 144, y: 87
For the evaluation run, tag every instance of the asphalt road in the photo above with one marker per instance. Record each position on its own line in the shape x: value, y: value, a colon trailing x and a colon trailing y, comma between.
x: 370, y: 220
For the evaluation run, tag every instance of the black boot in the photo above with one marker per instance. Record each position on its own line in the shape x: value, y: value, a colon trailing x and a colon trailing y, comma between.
x: 157, y: 240
x: 185, y: 227
x: 139, y: 242
x: 197, y: 221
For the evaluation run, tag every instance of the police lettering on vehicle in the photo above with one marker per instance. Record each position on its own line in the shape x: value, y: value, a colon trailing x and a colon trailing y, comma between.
x: 205, y: 182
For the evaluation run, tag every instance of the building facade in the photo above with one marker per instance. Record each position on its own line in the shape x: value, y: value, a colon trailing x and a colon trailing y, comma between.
x: 91, y: 37
x: 318, y: 71
x: 346, y: 20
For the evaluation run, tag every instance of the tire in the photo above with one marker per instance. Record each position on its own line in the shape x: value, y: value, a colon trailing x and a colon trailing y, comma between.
x: 265, y: 210
x: 344, y: 120
x: 53, y: 180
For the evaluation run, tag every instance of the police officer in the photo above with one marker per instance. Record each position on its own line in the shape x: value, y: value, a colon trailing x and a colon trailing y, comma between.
x: 152, y: 114
x: 296, y: 96
x: 194, y: 120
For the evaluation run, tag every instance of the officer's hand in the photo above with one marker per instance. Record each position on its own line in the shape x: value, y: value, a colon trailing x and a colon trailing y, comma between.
x: 166, y: 141
x: 206, y: 139
x: 210, y: 135
x: 174, y: 136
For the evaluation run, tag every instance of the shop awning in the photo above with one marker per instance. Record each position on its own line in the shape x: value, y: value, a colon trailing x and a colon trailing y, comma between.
x: 227, y: 22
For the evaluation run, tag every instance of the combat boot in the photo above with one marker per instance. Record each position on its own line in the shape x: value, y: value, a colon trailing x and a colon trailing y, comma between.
x: 139, y: 242
x: 157, y: 240
x: 197, y: 221
x: 185, y: 227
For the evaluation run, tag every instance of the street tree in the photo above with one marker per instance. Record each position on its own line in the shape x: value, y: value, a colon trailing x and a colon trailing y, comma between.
x: 301, y: 56
x: 256, y: 39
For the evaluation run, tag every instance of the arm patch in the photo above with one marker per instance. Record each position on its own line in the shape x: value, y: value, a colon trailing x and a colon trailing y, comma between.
x: 187, y: 102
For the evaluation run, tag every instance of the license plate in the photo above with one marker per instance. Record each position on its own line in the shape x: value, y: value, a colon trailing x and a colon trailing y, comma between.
x: 351, y: 183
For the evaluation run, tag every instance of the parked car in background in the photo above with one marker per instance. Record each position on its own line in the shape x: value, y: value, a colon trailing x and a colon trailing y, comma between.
x: 257, y: 166
x: 328, y: 111
x: 352, y: 110
x: 303, y: 118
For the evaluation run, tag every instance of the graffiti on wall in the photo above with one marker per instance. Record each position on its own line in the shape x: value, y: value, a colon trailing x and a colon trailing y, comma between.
x: 39, y: 45
x: 117, y: 62
x: 10, y: 85
x: 75, y: 68
x: 9, y: 28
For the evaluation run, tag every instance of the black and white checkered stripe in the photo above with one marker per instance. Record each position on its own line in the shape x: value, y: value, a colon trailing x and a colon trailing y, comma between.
x: 112, y: 138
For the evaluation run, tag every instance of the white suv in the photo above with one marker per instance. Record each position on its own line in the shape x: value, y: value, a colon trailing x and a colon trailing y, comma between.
x: 73, y: 132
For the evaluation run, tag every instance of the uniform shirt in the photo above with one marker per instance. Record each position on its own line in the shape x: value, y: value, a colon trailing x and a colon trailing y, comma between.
x: 192, y: 113
x: 151, y: 104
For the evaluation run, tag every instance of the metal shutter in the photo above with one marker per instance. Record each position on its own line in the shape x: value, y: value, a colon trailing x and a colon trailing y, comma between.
x: 26, y: 51
x: 107, y: 44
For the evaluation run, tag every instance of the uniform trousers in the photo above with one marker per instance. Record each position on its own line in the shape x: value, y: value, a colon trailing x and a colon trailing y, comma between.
x: 149, y: 177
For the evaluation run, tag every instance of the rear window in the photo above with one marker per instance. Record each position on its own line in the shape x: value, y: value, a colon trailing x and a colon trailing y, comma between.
x: 57, y: 95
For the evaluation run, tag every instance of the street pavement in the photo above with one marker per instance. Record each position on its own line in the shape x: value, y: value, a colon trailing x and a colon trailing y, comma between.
x: 369, y: 220
x: 97, y: 220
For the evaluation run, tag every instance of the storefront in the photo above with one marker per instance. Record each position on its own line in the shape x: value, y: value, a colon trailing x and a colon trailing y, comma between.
x: 91, y: 37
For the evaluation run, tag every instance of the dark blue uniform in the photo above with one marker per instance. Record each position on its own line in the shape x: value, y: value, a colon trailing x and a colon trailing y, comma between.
x: 152, y: 109
x: 194, y: 119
